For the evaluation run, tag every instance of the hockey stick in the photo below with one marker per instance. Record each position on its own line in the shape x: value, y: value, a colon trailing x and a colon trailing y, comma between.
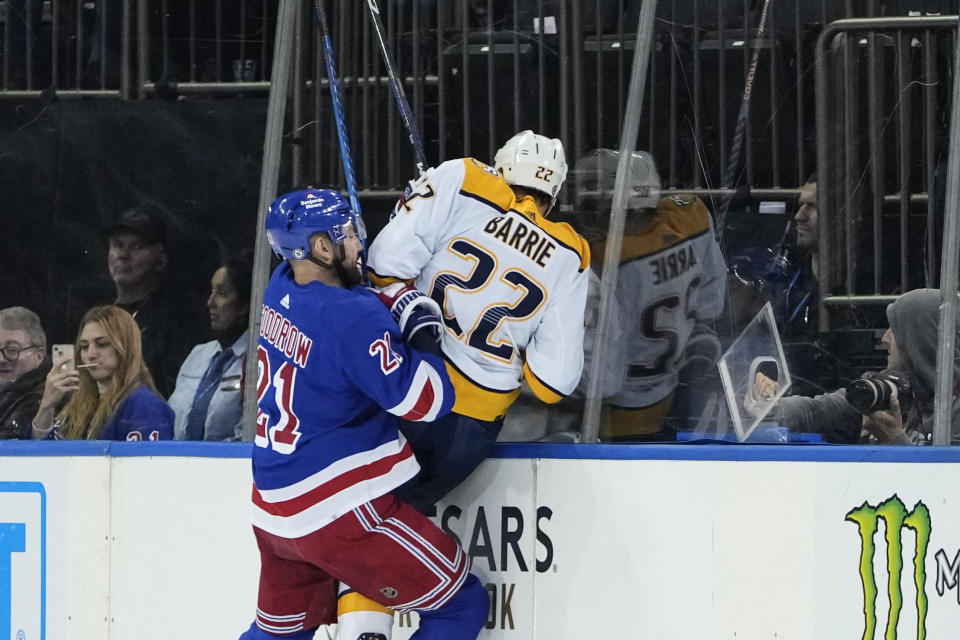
x: 339, y: 117
x: 406, y: 114
x: 736, y: 148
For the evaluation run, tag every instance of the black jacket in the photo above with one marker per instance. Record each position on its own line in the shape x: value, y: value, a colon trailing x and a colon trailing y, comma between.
x: 169, y: 330
x: 19, y: 402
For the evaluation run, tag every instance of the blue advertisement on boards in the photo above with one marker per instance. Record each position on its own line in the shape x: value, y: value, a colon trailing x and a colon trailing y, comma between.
x: 23, y: 560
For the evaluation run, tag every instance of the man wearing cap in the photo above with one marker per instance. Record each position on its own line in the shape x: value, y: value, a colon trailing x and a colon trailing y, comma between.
x: 137, y: 260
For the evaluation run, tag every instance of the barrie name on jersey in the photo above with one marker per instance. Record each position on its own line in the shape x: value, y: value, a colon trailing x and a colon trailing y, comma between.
x: 512, y: 284
x: 672, y: 276
x: 333, y: 379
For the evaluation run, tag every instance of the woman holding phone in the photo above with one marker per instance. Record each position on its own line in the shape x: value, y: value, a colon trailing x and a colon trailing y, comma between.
x: 111, y: 392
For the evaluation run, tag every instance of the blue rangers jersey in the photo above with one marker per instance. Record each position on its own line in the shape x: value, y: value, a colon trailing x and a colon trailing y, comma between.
x: 333, y: 380
x: 512, y: 284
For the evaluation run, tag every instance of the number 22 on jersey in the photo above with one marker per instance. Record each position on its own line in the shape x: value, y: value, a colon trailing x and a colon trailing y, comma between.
x: 496, y: 312
x: 655, y: 329
x: 284, y: 434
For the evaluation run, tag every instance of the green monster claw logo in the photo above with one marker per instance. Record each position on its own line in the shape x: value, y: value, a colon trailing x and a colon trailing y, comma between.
x: 895, y: 515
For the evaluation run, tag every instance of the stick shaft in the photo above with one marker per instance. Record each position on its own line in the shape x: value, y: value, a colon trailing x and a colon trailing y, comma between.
x: 338, y: 114
x: 406, y: 114
x: 733, y: 165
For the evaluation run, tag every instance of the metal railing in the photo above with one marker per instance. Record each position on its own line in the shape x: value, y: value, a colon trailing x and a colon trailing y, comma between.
x: 475, y: 71
x: 475, y: 77
x: 64, y: 46
x: 135, y: 48
x: 881, y: 98
x: 206, y: 47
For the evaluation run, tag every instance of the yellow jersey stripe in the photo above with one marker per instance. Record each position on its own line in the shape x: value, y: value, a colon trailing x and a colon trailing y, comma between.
x: 671, y: 225
x: 383, y: 281
x: 476, y: 401
x: 624, y: 422
x: 640, y: 247
x: 539, y: 388
x: 480, y: 184
x: 682, y: 220
x: 486, y: 184
x: 566, y: 236
x: 352, y: 602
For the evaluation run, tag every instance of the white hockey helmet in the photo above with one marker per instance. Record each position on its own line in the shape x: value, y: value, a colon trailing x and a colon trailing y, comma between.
x: 533, y: 161
x: 595, y: 177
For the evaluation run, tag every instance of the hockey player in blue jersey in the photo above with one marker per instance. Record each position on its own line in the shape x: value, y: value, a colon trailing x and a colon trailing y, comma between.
x: 335, y: 376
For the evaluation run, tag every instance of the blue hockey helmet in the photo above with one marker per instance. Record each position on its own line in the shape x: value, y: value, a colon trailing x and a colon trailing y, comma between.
x: 294, y: 217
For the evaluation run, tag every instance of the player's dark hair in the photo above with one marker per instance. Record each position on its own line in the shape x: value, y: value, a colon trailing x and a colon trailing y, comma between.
x: 542, y: 198
x: 812, y: 178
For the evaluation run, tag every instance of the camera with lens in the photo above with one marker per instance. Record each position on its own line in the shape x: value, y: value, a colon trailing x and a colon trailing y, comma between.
x: 872, y: 392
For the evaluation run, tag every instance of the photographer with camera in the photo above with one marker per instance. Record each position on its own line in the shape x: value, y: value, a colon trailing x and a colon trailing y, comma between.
x: 894, y: 406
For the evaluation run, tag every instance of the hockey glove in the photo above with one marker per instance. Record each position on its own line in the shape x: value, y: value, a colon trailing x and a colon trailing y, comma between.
x: 700, y: 354
x: 413, y: 310
x: 697, y: 390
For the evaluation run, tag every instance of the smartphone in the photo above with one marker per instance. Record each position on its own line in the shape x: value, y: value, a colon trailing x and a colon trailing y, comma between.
x: 60, y: 351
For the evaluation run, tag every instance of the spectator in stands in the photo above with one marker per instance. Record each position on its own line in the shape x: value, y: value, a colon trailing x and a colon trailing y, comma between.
x: 912, y: 342
x: 111, y: 392
x: 137, y: 259
x: 800, y: 302
x: 784, y: 275
x: 23, y: 366
x: 208, y: 400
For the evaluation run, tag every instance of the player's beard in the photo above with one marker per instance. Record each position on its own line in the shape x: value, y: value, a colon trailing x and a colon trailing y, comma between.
x: 350, y: 276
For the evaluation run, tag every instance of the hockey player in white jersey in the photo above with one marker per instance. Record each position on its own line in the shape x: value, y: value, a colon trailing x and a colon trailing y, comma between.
x: 512, y: 285
x: 670, y: 289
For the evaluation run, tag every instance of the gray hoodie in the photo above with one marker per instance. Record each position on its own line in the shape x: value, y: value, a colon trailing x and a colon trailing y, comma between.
x: 914, y: 319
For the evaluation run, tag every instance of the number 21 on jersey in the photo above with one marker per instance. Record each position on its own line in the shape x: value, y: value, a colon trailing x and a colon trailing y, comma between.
x: 284, y: 433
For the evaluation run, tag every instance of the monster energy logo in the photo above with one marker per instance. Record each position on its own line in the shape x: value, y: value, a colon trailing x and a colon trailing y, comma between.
x: 896, y: 517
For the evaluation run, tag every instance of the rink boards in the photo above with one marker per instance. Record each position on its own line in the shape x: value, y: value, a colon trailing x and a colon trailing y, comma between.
x: 152, y: 541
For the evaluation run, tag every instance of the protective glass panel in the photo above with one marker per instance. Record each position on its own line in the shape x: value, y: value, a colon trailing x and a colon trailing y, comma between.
x: 105, y: 107
x: 754, y: 373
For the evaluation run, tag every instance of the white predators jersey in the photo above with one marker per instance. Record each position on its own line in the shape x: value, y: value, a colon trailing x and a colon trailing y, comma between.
x: 512, y: 284
x: 672, y: 275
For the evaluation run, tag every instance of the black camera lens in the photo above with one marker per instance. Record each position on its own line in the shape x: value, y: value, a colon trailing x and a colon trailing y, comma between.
x: 869, y: 394
x: 873, y: 392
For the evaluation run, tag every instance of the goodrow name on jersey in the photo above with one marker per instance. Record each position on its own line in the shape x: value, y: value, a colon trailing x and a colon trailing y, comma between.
x: 285, y: 336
